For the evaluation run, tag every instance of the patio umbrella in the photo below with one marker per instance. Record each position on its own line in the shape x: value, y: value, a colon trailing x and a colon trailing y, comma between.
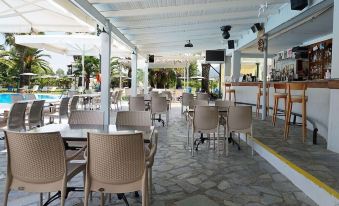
x: 29, y: 75
x: 22, y: 16
x: 197, y: 77
x: 78, y: 44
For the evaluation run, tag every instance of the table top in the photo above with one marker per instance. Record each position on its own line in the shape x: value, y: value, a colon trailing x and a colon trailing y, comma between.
x: 78, y: 132
x: 88, y: 95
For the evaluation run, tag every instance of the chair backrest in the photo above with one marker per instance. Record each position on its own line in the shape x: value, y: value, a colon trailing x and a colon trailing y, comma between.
x: 228, y: 85
x: 203, y: 96
x: 74, y: 103
x: 16, y: 117
x: 64, y: 106
x: 297, y: 87
x: 280, y: 86
x: 187, y: 99
x: 240, y: 118
x: 168, y: 94
x: 72, y: 93
x: 86, y: 117
x: 16, y: 98
x: 159, y: 104
x: 223, y: 103
x: 30, y: 96
x: 36, y: 157
x: 197, y: 102
x: 116, y: 158
x: 136, y: 104
x: 133, y: 118
x: 119, y: 97
x: 205, y: 118
x: 35, y: 116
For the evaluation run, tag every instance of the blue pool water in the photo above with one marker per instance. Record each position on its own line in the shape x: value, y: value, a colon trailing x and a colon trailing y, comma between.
x: 6, y: 98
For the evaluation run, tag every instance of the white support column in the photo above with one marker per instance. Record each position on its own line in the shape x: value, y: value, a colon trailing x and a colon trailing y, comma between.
x: 105, y: 73
x: 146, y: 79
x: 235, y: 65
x: 134, y: 60
x: 264, y: 80
x: 333, y: 129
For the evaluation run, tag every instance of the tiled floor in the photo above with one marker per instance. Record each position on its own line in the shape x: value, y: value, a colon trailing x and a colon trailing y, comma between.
x: 206, y: 179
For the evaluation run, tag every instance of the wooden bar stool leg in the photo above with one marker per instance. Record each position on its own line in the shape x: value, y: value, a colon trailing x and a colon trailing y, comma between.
x: 235, y: 99
x: 267, y: 104
x: 304, y: 121
x: 274, y: 110
x: 229, y: 96
x: 258, y: 105
x: 290, y: 106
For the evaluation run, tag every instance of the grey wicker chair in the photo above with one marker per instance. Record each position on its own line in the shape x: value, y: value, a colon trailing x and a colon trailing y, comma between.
x: 137, y: 104
x: 16, y: 117
x: 16, y: 98
x: 159, y: 106
x: 240, y: 121
x: 205, y: 120
x: 203, y: 96
x: 35, y: 115
x: 86, y: 117
x: 186, y: 101
x: 133, y: 118
x: 74, y: 103
x: 36, y: 162
x: 60, y: 112
x: 116, y: 163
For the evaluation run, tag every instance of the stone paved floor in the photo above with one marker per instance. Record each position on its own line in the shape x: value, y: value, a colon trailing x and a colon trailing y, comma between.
x: 205, y: 180
x: 315, y: 159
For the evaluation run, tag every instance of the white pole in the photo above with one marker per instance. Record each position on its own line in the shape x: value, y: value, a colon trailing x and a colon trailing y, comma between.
x: 134, y: 73
x: 187, y: 76
x: 146, y: 78
x: 120, y: 78
x: 106, y: 73
x: 83, y: 70
x: 264, y: 80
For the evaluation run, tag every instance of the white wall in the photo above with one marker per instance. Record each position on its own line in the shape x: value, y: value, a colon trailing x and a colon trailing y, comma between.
x: 333, y: 127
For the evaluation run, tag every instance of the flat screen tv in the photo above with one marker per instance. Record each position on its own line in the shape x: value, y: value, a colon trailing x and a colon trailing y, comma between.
x: 215, y: 56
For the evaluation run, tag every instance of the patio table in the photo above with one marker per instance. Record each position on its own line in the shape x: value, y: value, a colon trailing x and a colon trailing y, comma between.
x: 73, y: 132
x: 87, y: 96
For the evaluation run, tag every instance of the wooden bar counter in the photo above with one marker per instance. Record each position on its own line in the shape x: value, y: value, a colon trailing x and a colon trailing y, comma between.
x: 318, y: 92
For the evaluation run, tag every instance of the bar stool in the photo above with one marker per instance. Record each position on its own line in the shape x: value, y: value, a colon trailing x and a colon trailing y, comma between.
x: 230, y: 92
x: 261, y: 93
x: 277, y: 96
x: 301, y: 99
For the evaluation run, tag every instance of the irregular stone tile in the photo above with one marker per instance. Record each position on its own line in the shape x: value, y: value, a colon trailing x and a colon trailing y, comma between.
x: 270, y: 199
x: 198, y: 200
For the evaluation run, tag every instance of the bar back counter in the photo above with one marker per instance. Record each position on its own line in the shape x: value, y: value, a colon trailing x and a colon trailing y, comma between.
x: 318, y: 92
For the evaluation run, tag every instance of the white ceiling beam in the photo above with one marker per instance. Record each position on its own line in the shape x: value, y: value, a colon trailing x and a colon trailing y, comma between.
x: 212, y: 41
x: 187, y: 22
x: 191, y: 7
x: 180, y: 28
x: 95, y: 14
x: 111, y: 1
x: 209, y: 17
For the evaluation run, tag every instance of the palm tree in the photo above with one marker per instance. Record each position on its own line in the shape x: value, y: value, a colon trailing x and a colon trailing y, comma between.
x: 21, y: 59
x: 92, y: 67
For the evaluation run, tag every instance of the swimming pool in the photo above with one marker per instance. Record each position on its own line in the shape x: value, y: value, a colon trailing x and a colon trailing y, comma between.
x: 6, y: 98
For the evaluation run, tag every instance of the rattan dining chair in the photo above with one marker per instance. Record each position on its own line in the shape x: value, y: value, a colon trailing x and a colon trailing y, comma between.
x: 86, y: 117
x: 35, y: 115
x: 186, y: 101
x: 116, y: 163
x: 169, y: 96
x: 60, y: 112
x: 74, y: 103
x: 16, y: 98
x: 16, y: 117
x: 36, y: 162
x: 240, y: 121
x: 133, y: 118
x: 205, y: 119
x: 137, y: 103
x: 159, y: 106
x: 114, y: 99
x: 203, y: 96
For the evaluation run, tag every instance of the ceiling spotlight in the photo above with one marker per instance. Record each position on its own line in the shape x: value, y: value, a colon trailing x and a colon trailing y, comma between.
x: 226, y: 31
x: 189, y: 44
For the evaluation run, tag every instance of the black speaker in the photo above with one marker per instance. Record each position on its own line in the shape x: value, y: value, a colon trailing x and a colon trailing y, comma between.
x: 253, y: 29
x: 258, y: 26
x: 151, y: 59
x: 299, y: 4
x: 230, y: 44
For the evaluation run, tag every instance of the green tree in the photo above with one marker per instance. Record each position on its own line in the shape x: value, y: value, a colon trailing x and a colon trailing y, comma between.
x: 92, y: 67
x: 60, y: 72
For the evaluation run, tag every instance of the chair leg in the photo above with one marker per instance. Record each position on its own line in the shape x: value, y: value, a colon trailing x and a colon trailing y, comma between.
x: 41, y: 198
x: 304, y: 126
x: 102, y: 199
x: 188, y: 134
x: 6, y: 192
x: 150, y: 182
x: 214, y: 141
x: 192, y: 142
x: 258, y: 105
x: 274, y: 111
x: 63, y: 195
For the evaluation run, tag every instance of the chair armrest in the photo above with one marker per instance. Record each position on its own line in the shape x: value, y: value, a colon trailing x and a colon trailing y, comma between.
x: 76, y: 154
x: 150, y: 157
